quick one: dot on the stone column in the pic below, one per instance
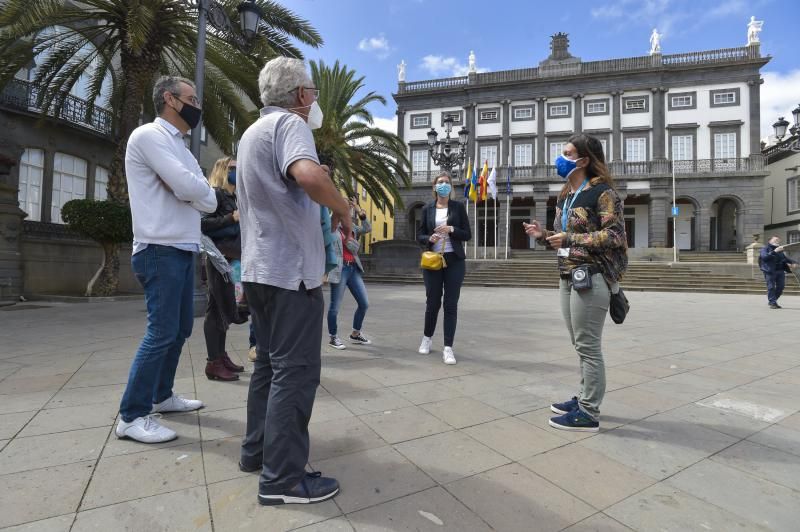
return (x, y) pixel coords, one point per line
(616, 125)
(504, 143)
(469, 117)
(401, 124)
(659, 123)
(539, 210)
(578, 108)
(657, 220)
(47, 184)
(541, 153)
(502, 209)
(755, 116)
(703, 221)
(11, 217)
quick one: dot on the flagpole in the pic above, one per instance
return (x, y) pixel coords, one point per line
(475, 251)
(674, 219)
(495, 227)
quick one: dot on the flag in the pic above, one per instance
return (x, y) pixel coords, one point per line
(482, 180)
(467, 178)
(491, 181)
(473, 189)
(508, 179)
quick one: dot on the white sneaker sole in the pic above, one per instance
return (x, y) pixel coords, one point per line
(124, 436)
(557, 411)
(424, 351)
(354, 341)
(339, 347)
(452, 362)
(574, 429)
(270, 500)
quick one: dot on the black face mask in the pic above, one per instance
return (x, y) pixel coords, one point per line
(190, 114)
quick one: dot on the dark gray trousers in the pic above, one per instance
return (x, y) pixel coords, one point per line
(288, 330)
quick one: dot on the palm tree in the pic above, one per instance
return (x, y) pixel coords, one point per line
(120, 47)
(126, 44)
(356, 151)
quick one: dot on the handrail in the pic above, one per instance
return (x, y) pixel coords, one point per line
(24, 95)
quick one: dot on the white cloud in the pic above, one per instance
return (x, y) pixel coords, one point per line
(438, 65)
(778, 97)
(387, 124)
(375, 45)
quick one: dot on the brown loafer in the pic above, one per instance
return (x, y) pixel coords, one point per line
(230, 364)
(216, 371)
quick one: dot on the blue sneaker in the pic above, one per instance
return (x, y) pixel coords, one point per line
(577, 420)
(313, 488)
(566, 407)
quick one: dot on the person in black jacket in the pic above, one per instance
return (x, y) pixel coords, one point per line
(444, 228)
(774, 264)
(222, 226)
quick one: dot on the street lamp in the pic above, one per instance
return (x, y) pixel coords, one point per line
(250, 17)
(780, 131)
(444, 152)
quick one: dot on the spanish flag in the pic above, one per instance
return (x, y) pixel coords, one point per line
(482, 180)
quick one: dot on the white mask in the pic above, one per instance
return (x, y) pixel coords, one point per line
(315, 116)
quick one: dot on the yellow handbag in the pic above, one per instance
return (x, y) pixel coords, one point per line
(432, 260)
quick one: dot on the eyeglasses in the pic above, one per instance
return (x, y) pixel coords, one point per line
(192, 99)
(316, 90)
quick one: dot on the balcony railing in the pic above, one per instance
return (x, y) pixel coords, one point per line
(626, 64)
(626, 169)
(25, 96)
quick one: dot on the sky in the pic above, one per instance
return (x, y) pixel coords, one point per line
(434, 37)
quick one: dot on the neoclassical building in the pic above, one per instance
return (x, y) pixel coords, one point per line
(696, 113)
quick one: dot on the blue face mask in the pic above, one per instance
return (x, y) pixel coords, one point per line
(443, 189)
(565, 166)
(232, 176)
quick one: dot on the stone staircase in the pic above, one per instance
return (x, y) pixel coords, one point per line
(713, 256)
(641, 276)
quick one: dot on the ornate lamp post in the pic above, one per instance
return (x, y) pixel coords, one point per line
(780, 130)
(444, 152)
(250, 17)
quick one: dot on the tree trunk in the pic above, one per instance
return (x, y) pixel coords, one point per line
(106, 281)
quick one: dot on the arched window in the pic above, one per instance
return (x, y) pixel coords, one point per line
(31, 174)
(69, 182)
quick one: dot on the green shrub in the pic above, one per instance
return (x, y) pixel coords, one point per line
(102, 221)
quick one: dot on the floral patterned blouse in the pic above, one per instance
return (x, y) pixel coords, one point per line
(595, 232)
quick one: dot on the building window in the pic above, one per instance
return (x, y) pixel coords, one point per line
(683, 152)
(419, 165)
(724, 97)
(634, 104)
(364, 195)
(559, 110)
(636, 149)
(101, 183)
(385, 230)
(488, 115)
(724, 145)
(421, 121)
(556, 149)
(792, 193)
(681, 101)
(523, 113)
(596, 108)
(523, 155)
(488, 153)
(203, 135)
(604, 143)
(31, 173)
(69, 182)
(455, 115)
(793, 237)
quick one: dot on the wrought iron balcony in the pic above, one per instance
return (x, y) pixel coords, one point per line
(629, 170)
(24, 96)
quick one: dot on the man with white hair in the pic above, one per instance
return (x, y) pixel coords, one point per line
(280, 186)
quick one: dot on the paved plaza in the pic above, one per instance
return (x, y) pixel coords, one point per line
(700, 428)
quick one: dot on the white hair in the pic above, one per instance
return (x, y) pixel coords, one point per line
(279, 78)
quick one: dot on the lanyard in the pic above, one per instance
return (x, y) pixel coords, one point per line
(566, 208)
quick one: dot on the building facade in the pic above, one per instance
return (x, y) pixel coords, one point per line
(382, 222)
(782, 193)
(695, 113)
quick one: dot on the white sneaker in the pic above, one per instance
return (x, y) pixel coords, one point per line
(176, 403)
(448, 357)
(336, 343)
(425, 346)
(145, 429)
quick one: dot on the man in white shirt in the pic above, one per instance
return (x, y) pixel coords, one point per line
(167, 194)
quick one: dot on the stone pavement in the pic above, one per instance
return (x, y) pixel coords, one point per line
(700, 428)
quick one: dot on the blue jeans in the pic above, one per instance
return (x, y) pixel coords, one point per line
(167, 276)
(351, 278)
(252, 338)
(775, 285)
